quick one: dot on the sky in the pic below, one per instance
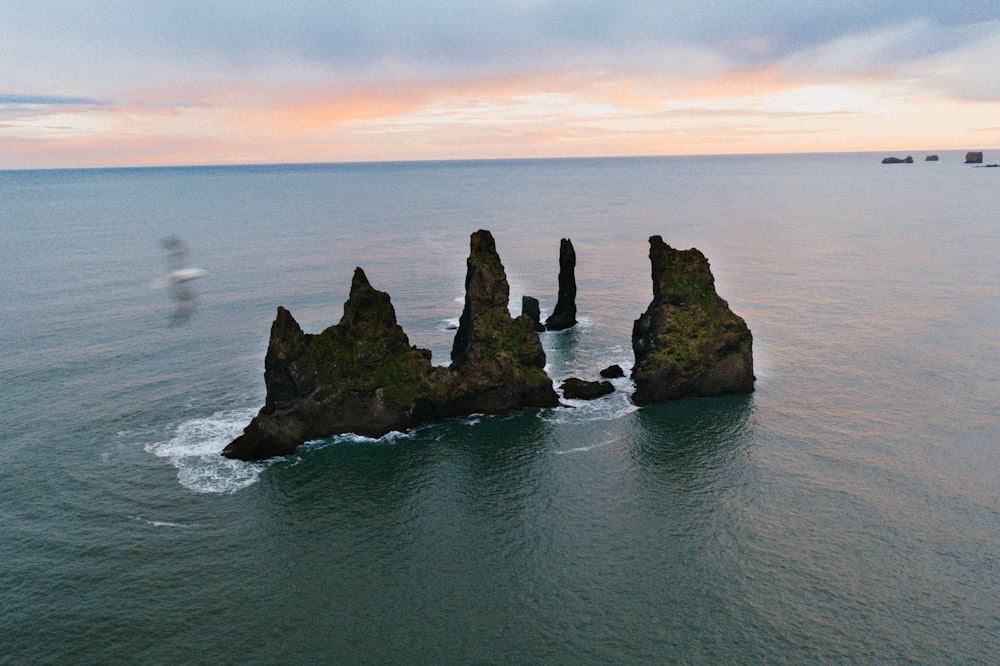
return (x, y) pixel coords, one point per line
(130, 83)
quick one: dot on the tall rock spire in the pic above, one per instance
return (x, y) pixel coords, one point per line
(564, 315)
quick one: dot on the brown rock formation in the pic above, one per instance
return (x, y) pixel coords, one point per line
(688, 342)
(363, 376)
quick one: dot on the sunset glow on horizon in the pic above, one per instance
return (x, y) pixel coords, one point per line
(215, 83)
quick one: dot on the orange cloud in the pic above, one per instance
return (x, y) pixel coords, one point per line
(557, 113)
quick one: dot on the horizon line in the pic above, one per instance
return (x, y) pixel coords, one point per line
(472, 160)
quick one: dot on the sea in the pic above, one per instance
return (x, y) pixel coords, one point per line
(847, 511)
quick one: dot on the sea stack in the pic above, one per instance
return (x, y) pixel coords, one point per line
(688, 343)
(497, 361)
(363, 376)
(974, 157)
(564, 315)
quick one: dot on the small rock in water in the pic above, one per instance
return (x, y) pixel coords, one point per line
(579, 389)
(613, 372)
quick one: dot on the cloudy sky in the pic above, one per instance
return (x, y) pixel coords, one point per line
(127, 82)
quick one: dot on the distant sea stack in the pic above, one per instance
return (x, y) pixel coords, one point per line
(688, 343)
(363, 376)
(931, 158)
(974, 157)
(896, 160)
(564, 315)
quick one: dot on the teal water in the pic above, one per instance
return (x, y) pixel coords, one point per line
(848, 510)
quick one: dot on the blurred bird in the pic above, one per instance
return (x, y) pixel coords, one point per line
(179, 278)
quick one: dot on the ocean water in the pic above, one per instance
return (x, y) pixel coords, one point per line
(847, 511)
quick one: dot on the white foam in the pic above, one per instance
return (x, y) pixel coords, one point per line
(606, 408)
(157, 523)
(351, 438)
(196, 447)
(582, 449)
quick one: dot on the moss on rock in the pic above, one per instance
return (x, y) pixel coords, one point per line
(363, 376)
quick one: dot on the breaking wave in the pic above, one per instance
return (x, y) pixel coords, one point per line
(195, 450)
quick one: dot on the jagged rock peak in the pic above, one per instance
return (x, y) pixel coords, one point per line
(287, 343)
(679, 276)
(485, 280)
(369, 314)
(487, 294)
(564, 314)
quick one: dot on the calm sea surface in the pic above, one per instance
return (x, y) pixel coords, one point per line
(848, 510)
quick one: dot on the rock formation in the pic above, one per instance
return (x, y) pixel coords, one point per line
(580, 389)
(896, 160)
(533, 311)
(688, 342)
(363, 376)
(496, 360)
(931, 158)
(974, 157)
(613, 372)
(564, 315)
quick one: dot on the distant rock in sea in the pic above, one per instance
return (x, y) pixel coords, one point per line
(974, 157)
(688, 342)
(931, 158)
(896, 160)
(363, 376)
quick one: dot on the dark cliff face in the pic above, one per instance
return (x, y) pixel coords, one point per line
(564, 314)
(688, 342)
(363, 376)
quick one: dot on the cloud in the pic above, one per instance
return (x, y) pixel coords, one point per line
(50, 100)
(439, 39)
(953, 60)
(259, 79)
